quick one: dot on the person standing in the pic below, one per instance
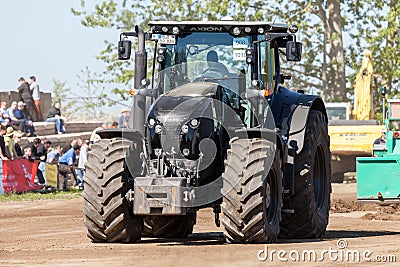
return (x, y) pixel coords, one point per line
(66, 165)
(123, 119)
(26, 96)
(36, 96)
(54, 155)
(9, 143)
(80, 171)
(3, 131)
(42, 150)
(94, 136)
(17, 146)
(38, 153)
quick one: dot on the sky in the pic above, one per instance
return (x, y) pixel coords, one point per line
(43, 38)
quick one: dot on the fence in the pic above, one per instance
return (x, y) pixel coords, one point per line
(19, 175)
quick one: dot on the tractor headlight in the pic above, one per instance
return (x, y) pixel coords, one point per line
(185, 129)
(175, 30)
(236, 31)
(151, 122)
(186, 152)
(158, 129)
(194, 123)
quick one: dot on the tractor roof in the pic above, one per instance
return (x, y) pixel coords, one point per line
(246, 27)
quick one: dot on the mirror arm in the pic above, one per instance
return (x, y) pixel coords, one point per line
(145, 92)
(123, 35)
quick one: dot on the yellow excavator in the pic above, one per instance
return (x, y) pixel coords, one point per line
(353, 133)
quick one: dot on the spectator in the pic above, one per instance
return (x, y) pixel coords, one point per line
(3, 131)
(123, 120)
(114, 125)
(2, 153)
(54, 115)
(26, 97)
(10, 110)
(9, 143)
(36, 96)
(66, 165)
(27, 124)
(54, 155)
(381, 140)
(42, 149)
(34, 147)
(17, 140)
(28, 153)
(4, 118)
(80, 171)
(17, 124)
(94, 136)
(73, 142)
(38, 154)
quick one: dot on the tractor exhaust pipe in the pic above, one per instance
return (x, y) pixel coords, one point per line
(139, 101)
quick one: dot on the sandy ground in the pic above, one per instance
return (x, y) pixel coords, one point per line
(51, 233)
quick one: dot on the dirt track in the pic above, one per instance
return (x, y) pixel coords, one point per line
(51, 233)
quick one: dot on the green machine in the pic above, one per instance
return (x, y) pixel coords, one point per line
(378, 177)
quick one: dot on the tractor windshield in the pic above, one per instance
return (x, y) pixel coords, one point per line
(200, 56)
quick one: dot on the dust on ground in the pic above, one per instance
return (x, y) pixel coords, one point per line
(51, 233)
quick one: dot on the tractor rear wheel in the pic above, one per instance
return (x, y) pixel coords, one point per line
(108, 215)
(252, 195)
(312, 185)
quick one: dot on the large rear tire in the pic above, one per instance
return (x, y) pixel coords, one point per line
(108, 215)
(312, 185)
(169, 226)
(252, 195)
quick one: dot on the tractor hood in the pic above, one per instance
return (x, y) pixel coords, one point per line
(191, 100)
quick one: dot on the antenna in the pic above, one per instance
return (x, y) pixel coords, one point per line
(273, 22)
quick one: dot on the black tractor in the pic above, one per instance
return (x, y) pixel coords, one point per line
(212, 126)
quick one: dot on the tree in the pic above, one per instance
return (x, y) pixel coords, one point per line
(92, 97)
(321, 29)
(320, 21)
(59, 94)
(377, 25)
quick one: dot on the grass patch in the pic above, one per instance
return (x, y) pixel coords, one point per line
(29, 196)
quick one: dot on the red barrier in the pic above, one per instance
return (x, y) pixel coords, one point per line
(19, 175)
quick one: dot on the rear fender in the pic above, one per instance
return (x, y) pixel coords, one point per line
(291, 110)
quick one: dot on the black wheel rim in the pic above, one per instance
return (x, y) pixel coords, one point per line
(273, 196)
(319, 177)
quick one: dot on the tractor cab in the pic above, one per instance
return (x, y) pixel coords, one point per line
(232, 54)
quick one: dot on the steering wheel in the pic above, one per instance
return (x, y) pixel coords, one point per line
(215, 73)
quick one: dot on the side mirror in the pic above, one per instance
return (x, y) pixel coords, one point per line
(124, 49)
(193, 50)
(293, 51)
